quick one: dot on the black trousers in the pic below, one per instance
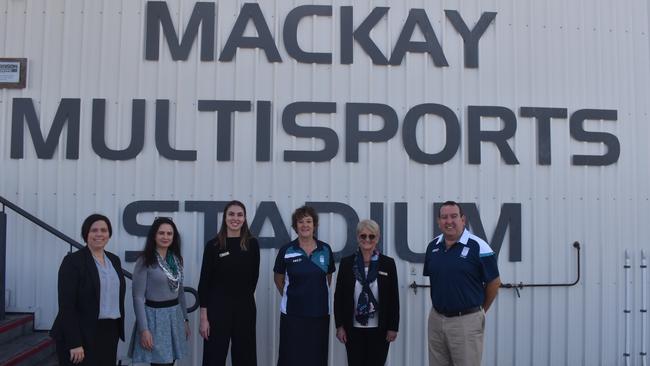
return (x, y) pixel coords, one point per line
(366, 347)
(234, 322)
(100, 351)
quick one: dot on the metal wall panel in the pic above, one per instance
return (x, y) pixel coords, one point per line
(574, 55)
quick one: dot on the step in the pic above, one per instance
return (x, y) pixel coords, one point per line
(14, 326)
(50, 361)
(27, 350)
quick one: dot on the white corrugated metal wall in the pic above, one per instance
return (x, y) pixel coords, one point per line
(574, 55)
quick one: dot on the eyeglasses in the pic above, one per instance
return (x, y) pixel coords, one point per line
(367, 236)
(162, 218)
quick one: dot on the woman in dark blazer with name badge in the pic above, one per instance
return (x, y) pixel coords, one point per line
(366, 301)
(91, 300)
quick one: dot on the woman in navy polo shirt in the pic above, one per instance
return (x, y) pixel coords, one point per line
(303, 274)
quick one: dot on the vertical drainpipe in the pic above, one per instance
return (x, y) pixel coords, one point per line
(626, 310)
(644, 308)
(3, 260)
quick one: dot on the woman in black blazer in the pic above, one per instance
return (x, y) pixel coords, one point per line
(91, 300)
(366, 301)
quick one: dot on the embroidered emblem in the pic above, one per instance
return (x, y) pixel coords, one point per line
(463, 254)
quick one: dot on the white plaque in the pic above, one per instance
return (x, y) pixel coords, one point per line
(9, 72)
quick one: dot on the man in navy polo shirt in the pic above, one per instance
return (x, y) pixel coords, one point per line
(462, 269)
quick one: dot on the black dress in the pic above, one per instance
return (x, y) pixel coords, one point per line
(226, 288)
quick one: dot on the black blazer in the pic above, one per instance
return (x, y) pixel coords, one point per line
(388, 294)
(78, 287)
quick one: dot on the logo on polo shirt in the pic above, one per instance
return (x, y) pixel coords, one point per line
(463, 254)
(435, 250)
(293, 257)
(322, 259)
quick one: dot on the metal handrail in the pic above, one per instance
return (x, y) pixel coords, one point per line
(521, 285)
(38, 222)
(44, 225)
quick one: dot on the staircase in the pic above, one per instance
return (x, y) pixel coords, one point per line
(20, 345)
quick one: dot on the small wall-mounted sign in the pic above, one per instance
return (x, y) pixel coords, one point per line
(13, 73)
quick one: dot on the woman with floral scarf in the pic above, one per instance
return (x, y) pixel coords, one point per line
(366, 301)
(161, 331)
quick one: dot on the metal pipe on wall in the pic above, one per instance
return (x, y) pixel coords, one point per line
(626, 310)
(644, 308)
(3, 260)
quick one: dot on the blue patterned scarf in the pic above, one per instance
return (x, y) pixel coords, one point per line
(367, 304)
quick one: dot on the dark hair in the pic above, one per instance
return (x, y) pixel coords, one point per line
(149, 251)
(452, 203)
(90, 220)
(244, 233)
(301, 212)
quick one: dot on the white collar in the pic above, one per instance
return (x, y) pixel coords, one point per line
(464, 237)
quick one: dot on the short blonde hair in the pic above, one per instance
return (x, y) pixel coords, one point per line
(368, 224)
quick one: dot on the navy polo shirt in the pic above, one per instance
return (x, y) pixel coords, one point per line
(306, 291)
(458, 275)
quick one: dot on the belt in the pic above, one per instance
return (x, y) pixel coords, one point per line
(161, 304)
(461, 312)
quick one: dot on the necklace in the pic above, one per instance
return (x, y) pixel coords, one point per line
(173, 280)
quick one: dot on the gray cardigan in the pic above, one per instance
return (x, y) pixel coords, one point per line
(151, 283)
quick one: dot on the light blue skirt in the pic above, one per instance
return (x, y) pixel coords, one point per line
(167, 326)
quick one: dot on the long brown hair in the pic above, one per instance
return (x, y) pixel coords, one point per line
(149, 252)
(244, 232)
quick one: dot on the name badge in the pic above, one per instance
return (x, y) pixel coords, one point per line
(383, 273)
(221, 255)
